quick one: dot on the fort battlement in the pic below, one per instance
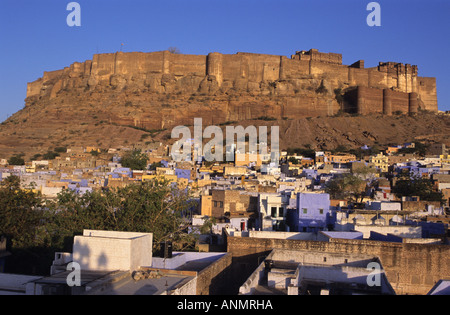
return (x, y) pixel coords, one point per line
(296, 81)
(315, 55)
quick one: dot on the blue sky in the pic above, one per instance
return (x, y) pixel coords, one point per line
(35, 37)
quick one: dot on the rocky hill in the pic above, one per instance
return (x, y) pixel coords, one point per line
(35, 130)
(124, 99)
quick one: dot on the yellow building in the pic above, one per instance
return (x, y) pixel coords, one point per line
(217, 169)
(204, 169)
(380, 161)
(30, 168)
(339, 158)
(391, 150)
(164, 171)
(206, 205)
(244, 159)
(199, 183)
(445, 158)
(181, 182)
(170, 178)
(234, 170)
(92, 148)
(297, 167)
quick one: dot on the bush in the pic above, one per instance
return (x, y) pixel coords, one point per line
(419, 148)
(35, 157)
(340, 149)
(339, 96)
(16, 160)
(135, 160)
(415, 185)
(61, 149)
(321, 89)
(306, 152)
(154, 165)
(50, 155)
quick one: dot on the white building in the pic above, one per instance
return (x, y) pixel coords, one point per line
(297, 272)
(109, 250)
(272, 211)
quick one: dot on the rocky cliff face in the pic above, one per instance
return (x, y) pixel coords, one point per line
(125, 98)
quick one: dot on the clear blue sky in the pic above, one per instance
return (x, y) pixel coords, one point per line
(35, 38)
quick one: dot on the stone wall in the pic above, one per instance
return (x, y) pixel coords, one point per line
(410, 268)
(211, 280)
(386, 101)
(426, 88)
(301, 86)
(420, 205)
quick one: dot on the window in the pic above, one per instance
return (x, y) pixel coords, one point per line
(321, 211)
(273, 211)
(220, 204)
(215, 203)
(305, 211)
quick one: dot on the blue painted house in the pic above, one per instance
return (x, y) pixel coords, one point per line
(312, 213)
(124, 171)
(183, 173)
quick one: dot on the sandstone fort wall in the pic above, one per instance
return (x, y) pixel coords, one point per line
(387, 88)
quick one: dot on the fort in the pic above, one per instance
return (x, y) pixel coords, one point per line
(309, 83)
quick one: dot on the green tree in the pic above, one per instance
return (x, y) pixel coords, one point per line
(50, 155)
(306, 152)
(35, 157)
(174, 50)
(16, 160)
(135, 160)
(293, 160)
(21, 221)
(340, 149)
(352, 186)
(348, 186)
(207, 226)
(34, 234)
(61, 149)
(20, 213)
(414, 185)
(154, 165)
(94, 153)
(151, 207)
(419, 149)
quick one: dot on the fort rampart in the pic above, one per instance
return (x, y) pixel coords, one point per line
(307, 83)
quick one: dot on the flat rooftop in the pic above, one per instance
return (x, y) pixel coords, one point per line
(14, 284)
(156, 286)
